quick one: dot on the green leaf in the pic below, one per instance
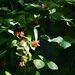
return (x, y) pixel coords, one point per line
(35, 5)
(52, 65)
(42, 58)
(21, 19)
(35, 33)
(65, 44)
(7, 21)
(57, 39)
(2, 40)
(14, 43)
(37, 73)
(2, 53)
(7, 73)
(38, 63)
(2, 29)
(69, 39)
(4, 8)
(30, 56)
(57, 16)
(62, 42)
(46, 37)
(21, 2)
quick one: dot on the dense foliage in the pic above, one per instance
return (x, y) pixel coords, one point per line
(37, 37)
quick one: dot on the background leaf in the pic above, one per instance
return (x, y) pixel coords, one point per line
(2, 53)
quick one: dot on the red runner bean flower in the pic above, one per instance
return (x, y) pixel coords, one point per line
(22, 42)
(21, 64)
(21, 34)
(17, 33)
(35, 43)
(44, 6)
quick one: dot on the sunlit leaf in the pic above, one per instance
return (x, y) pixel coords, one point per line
(42, 58)
(35, 5)
(11, 31)
(35, 33)
(14, 43)
(7, 73)
(57, 39)
(52, 65)
(65, 44)
(38, 63)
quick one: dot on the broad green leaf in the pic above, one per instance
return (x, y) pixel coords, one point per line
(52, 65)
(52, 11)
(65, 44)
(14, 43)
(30, 56)
(35, 5)
(61, 42)
(57, 16)
(2, 40)
(69, 39)
(2, 53)
(42, 58)
(21, 2)
(4, 8)
(29, 37)
(21, 19)
(7, 21)
(2, 28)
(7, 73)
(38, 63)
(37, 73)
(57, 39)
(67, 0)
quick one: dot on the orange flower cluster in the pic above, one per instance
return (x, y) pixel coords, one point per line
(22, 42)
(35, 43)
(19, 34)
(21, 64)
